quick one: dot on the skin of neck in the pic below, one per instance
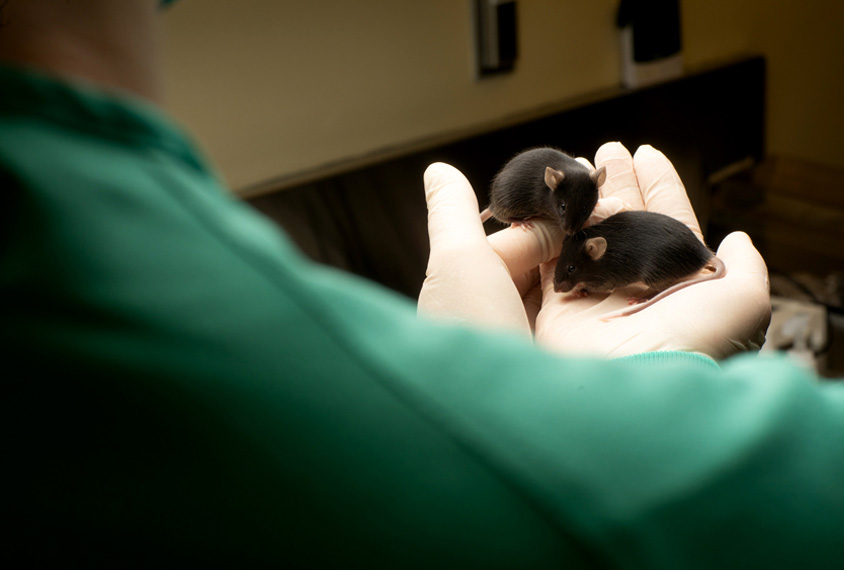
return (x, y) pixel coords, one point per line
(113, 43)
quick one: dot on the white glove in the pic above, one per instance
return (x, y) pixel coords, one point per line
(491, 282)
(716, 318)
(475, 279)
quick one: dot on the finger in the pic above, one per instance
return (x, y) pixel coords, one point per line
(522, 249)
(453, 217)
(662, 189)
(621, 179)
(585, 162)
(744, 262)
(465, 280)
(744, 307)
(605, 208)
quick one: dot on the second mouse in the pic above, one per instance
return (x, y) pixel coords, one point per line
(634, 247)
(545, 182)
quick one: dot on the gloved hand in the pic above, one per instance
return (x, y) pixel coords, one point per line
(716, 318)
(491, 281)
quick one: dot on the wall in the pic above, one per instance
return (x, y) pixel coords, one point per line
(804, 45)
(274, 88)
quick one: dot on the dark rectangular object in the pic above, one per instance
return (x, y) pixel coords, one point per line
(497, 44)
(656, 27)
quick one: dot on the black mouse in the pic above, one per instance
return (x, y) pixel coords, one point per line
(634, 247)
(545, 182)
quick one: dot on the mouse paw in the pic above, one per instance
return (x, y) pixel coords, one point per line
(635, 300)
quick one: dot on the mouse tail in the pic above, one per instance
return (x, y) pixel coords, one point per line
(717, 266)
(631, 310)
(714, 263)
(485, 215)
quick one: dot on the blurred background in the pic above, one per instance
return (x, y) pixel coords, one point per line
(324, 114)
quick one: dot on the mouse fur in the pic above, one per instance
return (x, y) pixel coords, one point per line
(634, 247)
(545, 182)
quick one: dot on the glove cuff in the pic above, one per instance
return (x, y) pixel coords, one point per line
(672, 357)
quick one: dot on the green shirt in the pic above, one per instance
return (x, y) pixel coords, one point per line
(182, 387)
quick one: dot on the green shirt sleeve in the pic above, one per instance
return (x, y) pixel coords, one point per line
(183, 387)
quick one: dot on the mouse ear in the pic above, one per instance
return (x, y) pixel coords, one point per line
(596, 247)
(599, 176)
(553, 177)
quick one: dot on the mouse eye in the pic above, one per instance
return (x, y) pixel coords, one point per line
(562, 206)
(572, 268)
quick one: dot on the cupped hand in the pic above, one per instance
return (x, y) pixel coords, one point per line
(716, 318)
(471, 278)
(504, 281)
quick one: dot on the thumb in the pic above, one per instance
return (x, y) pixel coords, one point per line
(453, 217)
(454, 221)
(522, 249)
(465, 279)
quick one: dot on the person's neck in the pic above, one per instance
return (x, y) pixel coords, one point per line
(112, 43)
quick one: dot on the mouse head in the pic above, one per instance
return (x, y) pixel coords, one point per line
(574, 195)
(579, 263)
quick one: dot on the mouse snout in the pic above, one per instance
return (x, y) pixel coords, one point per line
(563, 286)
(572, 224)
